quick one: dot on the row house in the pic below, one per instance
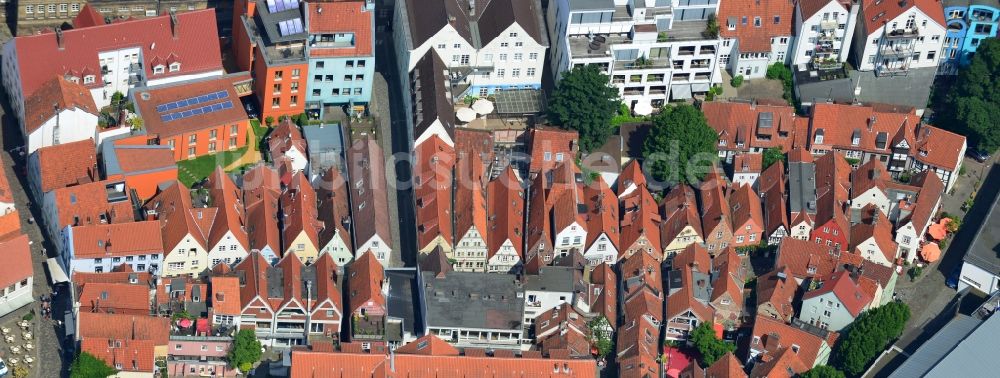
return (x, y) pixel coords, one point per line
(287, 147)
(806, 260)
(142, 166)
(183, 229)
(835, 302)
(474, 310)
(801, 193)
(488, 45)
(504, 222)
(103, 247)
(631, 178)
(727, 290)
(129, 343)
(746, 169)
(716, 216)
(17, 277)
(775, 294)
(832, 226)
(641, 297)
(897, 138)
(968, 23)
(334, 213)
(132, 297)
(433, 170)
(59, 166)
(195, 117)
(756, 35)
(869, 187)
(566, 208)
(603, 233)
(262, 213)
(689, 302)
(681, 224)
(471, 224)
(227, 238)
(825, 31)
(914, 214)
(753, 127)
(539, 244)
(299, 224)
(748, 218)
(563, 328)
(652, 51)
(893, 37)
(366, 282)
(369, 201)
(599, 297)
(341, 51)
(640, 225)
(550, 288)
(782, 360)
(809, 344)
(111, 58)
(872, 238)
(58, 102)
(549, 147)
(270, 41)
(726, 366)
(432, 108)
(290, 303)
(775, 207)
(92, 203)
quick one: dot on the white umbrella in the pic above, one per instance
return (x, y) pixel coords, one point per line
(483, 106)
(643, 109)
(465, 114)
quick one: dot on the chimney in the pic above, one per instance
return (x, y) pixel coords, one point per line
(871, 122)
(174, 24)
(59, 38)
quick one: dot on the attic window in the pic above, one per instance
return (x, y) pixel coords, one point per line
(74, 79)
(175, 66)
(795, 348)
(158, 69)
(89, 79)
(756, 22)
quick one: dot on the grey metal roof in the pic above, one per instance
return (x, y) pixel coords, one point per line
(801, 187)
(580, 5)
(326, 146)
(268, 23)
(402, 299)
(109, 157)
(982, 251)
(551, 279)
(473, 300)
(963, 347)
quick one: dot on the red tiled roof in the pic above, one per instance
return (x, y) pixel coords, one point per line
(730, 278)
(778, 291)
(726, 367)
(928, 198)
(6, 195)
(767, 331)
(640, 217)
(149, 98)
(631, 175)
(67, 164)
(679, 209)
(772, 188)
(88, 203)
(139, 159)
(334, 208)
(602, 212)
(298, 207)
(16, 261)
(196, 47)
(741, 125)
(284, 137)
(308, 364)
(847, 291)
(877, 13)
(714, 202)
(225, 298)
(683, 300)
(641, 270)
(938, 147)
(470, 193)
(56, 94)
(366, 163)
(434, 161)
(365, 278)
(784, 364)
(553, 141)
(694, 256)
(258, 180)
(775, 20)
(230, 218)
(746, 209)
(121, 274)
(748, 163)
(638, 348)
(117, 239)
(121, 297)
(88, 16)
(506, 215)
(125, 327)
(341, 17)
(123, 355)
(10, 225)
(880, 230)
(428, 345)
(174, 210)
(807, 259)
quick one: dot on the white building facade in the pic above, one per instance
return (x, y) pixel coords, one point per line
(894, 41)
(825, 29)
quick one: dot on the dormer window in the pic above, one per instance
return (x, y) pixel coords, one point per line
(158, 69)
(89, 79)
(175, 66)
(819, 136)
(74, 79)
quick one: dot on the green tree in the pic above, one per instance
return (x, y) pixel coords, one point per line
(245, 350)
(709, 347)
(88, 366)
(976, 96)
(268, 120)
(868, 336)
(599, 335)
(583, 101)
(822, 371)
(681, 146)
(773, 155)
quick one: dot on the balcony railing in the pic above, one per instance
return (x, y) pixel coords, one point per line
(903, 33)
(828, 25)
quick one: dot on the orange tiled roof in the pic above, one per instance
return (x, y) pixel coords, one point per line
(640, 217)
(117, 239)
(365, 278)
(876, 13)
(6, 195)
(434, 161)
(550, 141)
(470, 194)
(16, 260)
(778, 291)
(746, 209)
(602, 212)
(741, 126)
(56, 94)
(259, 180)
(298, 208)
(285, 137)
(125, 327)
(506, 214)
(726, 367)
(67, 164)
(748, 163)
(230, 218)
(784, 364)
(631, 175)
(804, 258)
(89, 203)
(879, 229)
(262, 223)
(225, 298)
(10, 225)
(715, 208)
(123, 355)
(695, 256)
(148, 99)
(679, 209)
(772, 188)
(341, 17)
(765, 329)
(641, 270)
(428, 345)
(847, 291)
(174, 211)
(334, 208)
(775, 21)
(118, 296)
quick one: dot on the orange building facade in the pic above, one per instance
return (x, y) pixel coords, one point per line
(281, 89)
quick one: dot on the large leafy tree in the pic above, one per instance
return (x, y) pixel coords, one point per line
(976, 96)
(583, 101)
(822, 371)
(870, 333)
(709, 347)
(88, 366)
(773, 155)
(680, 146)
(245, 350)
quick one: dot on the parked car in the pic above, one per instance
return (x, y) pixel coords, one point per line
(3, 368)
(952, 279)
(979, 155)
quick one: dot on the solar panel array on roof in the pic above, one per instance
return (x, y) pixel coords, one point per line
(196, 111)
(281, 5)
(192, 101)
(289, 27)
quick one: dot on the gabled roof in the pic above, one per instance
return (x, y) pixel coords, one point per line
(173, 209)
(684, 300)
(877, 13)
(748, 163)
(93, 202)
(538, 228)
(98, 296)
(433, 164)
(299, 214)
(505, 212)
(679, 209)
(730, 277)
(746, 208)
(842, 285)
(498, 16)
(67, 164)
(726, 367)
(805, 258)
(88, 16)
(775, 210)
(551, 142)
(195, 46)
(117, 239)
(262, 224)
(869, 175)
(369, 201)
(124, 327)
(714, 204)
(631, 177)
(470, 194)
(123, 355)
(640, 217)
(777, 287)
(784, 364)
(607, 301)
(341, 17)
(334, 208)
(775, 20)
(55, 95)
(931, 189)
(253, 280)
(562, 327)
(427, 18)
(433, 103)
(259, 180)
(602, 212)
(638, 348)
(808, 8)
(16, 260)
(284, 137)
(755, 125)
(880, 230)
(230, 217)
(428, 345)
(767, 331)
(937, 147)
(640, 271)
(365, 277)
(225, 297)
(694, 256)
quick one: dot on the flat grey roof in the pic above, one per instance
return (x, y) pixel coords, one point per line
(802, 187)
(325, 144)
(983, 251)
(518, 101)
(965, 347)
(551, 278)
(109, 156)
(473, 300)
(581, 5)
(402, 299)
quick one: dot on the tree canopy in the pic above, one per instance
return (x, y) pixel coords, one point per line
(868, 336)
(976, 96)
(822, 371)
(772, 155)
(245, 350)
(681, 146)
(88, 366)
(583, 101)
(709, 347)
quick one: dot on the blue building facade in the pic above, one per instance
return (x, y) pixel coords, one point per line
(341, 55)
(967, 23)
